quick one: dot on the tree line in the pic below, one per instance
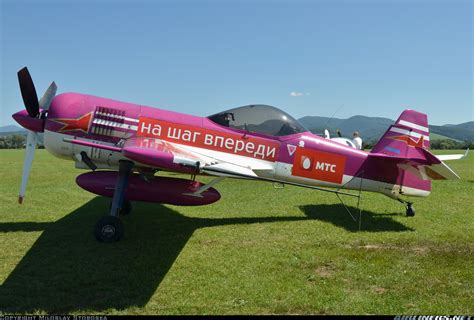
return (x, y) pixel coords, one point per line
(15, 141)
(442, 144)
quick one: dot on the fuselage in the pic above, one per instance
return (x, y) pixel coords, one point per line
(302, 158)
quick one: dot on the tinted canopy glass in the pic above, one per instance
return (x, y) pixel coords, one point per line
(259, 118)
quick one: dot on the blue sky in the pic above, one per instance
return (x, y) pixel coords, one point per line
(374, 58)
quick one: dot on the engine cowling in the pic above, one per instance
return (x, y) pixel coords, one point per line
(157, 189)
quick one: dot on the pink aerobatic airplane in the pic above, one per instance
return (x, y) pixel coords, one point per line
(129, 143)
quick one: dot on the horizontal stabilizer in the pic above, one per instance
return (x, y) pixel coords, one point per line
(424, 165)
(444, 157)
(440, 172)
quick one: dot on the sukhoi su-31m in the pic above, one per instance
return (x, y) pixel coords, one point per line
(124, 146)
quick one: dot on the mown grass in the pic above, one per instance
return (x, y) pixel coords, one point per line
(258, 250)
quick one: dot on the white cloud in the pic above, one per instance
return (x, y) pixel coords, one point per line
(298, 94)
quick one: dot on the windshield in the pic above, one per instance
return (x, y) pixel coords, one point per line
(259, 118)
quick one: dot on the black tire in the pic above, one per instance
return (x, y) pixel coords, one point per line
(126, 207)
(410, 211)
(109, 229)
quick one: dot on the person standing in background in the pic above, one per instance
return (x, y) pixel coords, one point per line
(356, 139)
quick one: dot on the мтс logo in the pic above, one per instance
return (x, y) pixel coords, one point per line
(319, 165)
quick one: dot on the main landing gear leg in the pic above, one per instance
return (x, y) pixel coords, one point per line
(110, 228)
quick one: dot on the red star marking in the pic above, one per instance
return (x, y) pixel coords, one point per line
(81, 124)
(409, 141)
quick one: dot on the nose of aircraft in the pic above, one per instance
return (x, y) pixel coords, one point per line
(28, 122)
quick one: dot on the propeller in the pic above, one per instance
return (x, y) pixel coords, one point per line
(30, 99)
(48, 96)
(28, 92)
(31, 140)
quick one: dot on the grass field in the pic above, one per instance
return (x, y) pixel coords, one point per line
(259, 250)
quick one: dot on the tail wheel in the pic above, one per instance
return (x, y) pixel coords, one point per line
(410, 211)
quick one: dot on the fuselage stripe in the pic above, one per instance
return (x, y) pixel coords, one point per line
(414, 126)
(409, 133)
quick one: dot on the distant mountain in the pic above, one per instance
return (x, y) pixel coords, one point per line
(466, 125)
(10, 129)
(311, 122)
(372, 128)
(460, 132)
(369, 127)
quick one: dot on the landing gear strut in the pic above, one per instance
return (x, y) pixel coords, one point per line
(126, 208)
(110, 228)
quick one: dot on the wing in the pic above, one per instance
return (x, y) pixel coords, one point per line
(163, 154)
(158, 153)
(167, 155)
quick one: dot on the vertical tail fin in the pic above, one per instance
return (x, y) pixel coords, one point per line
(410, 130)
(406, 140)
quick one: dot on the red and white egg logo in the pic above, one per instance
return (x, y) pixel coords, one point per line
(306, 163)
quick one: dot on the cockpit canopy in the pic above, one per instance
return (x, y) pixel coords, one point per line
(260, 119)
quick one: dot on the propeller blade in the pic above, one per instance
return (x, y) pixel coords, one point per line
(28, 92)
(31, 141)
(48, 96)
